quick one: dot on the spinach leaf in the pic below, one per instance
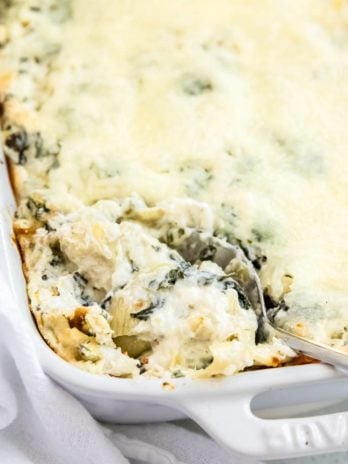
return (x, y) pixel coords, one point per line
(174, 275)
(17, 142)
(194, 86)
(37, 208)
(227, 283)
(144, 314)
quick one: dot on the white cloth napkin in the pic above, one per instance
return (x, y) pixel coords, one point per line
(40, 423)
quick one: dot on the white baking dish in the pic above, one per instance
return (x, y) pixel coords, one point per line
(221, 407)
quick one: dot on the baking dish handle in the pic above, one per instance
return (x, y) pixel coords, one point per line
(231, 422)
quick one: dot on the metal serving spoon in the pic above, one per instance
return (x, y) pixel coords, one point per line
(196, 246)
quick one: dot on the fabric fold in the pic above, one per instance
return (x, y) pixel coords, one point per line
(8, 402)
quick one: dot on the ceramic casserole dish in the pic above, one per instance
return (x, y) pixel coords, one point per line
(222, 407)
(131, 128)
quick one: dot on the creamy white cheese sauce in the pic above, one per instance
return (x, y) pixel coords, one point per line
(240, 105)
(101, 285)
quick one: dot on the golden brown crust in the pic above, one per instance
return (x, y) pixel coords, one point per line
(21, 249)
(14, 178)
(302, 359)
(77, 320)
(60, 336)
(5, 81)
(299, 360)
(17, 114)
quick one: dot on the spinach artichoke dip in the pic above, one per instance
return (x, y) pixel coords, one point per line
(128, 125)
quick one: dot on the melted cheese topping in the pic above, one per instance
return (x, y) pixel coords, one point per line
(240, 105)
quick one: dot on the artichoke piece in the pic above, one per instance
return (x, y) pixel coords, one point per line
(90, 351)
(121, 308)
(138, 300)
(132, 345)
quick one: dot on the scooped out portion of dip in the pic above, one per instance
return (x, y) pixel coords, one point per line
(110, 296)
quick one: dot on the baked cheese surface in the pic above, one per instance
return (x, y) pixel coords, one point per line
(241, 107)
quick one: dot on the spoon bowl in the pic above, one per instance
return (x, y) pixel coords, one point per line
(196, 246)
